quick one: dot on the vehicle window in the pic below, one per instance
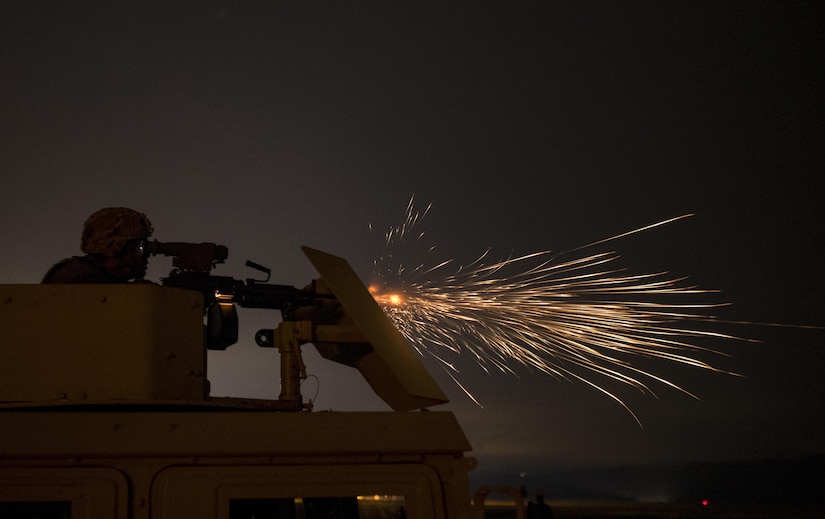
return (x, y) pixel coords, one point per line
(63, 493)
(358, 507)
(36, 509)
(281, 508)
(358, 491)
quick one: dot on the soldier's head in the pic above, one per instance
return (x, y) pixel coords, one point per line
(117, 237)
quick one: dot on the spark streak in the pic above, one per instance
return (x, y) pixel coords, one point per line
(571, 318)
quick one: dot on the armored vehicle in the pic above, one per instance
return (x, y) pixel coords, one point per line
(105, 409)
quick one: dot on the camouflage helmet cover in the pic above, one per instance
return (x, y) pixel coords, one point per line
(108, 230)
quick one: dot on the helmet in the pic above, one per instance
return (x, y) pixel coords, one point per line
(108, 230)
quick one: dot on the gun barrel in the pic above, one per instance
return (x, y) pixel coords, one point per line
(276, 297)
(246, 295)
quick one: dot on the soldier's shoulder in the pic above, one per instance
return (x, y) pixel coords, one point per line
(77, 269)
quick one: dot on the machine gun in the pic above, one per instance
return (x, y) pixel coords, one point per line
(193, 263)
(335, 313)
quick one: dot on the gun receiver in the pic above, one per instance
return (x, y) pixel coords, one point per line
(247, 294)
(193, 263)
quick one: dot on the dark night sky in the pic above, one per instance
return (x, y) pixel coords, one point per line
(529, 126)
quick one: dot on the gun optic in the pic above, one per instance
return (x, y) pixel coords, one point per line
(197, 257)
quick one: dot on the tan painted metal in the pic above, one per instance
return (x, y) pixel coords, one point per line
(392, 367)
(86, 343)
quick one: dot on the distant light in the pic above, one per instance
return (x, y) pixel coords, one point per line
(705, 502)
